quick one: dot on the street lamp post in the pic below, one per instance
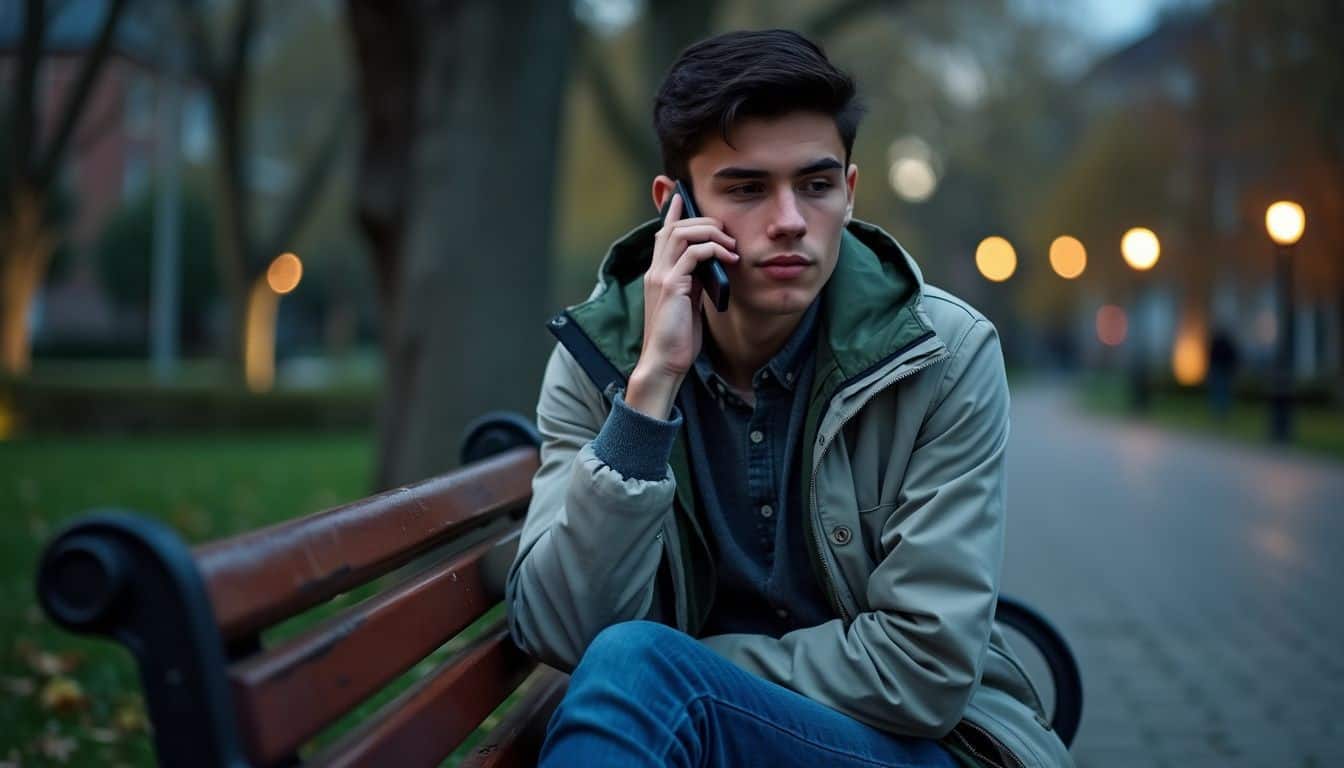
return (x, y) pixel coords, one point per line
(1141, 249)
(1284, 221)
(263, 307)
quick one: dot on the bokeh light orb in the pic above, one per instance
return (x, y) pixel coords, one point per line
(1112, 325)
(1285, 222)
(1189, 358)
(1068, 257)
(996, 259)
(913, 178)
(1140, 248)
(284, 273)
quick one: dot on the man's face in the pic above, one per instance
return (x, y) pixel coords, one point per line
(783, 192)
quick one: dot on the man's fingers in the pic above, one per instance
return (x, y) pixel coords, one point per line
(673, 211)
(701, 231)
(698, 253)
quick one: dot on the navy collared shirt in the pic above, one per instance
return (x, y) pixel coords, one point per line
(752, 504)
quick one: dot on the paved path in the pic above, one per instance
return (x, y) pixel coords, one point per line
(1201, 584)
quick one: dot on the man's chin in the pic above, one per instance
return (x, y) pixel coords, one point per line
(779, 301)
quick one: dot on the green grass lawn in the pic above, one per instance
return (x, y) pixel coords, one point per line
(1318, 429)
(205, 488)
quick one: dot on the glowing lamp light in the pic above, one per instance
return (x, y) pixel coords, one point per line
(1140, 248)
(1189, 358)
(1068, 257)
(913, 178)
(284, 273)
(1285, 221)
(996, 259)
(1112, 325)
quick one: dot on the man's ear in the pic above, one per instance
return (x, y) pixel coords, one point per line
(851, 179)
(663, 188)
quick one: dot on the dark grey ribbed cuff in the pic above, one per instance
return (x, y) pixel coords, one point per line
(634, 444)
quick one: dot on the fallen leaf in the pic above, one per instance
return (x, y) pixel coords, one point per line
(18, 686)
(56, 747)
(61, 694)
(130, 718)
(50, 664)
(104, 735)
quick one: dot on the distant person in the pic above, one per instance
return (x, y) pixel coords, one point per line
(1224, 360)
(772, 534)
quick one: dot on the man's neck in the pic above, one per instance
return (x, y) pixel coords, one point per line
(742, 344)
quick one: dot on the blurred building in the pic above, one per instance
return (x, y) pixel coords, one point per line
(1225, 172)
(112, 153)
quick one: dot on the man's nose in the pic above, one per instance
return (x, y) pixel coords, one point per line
(786, 219)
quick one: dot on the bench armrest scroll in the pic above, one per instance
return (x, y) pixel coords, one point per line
(134, 580)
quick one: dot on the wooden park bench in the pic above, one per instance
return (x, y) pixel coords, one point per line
(218, 696)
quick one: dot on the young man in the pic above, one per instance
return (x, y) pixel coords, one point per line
(771, 535)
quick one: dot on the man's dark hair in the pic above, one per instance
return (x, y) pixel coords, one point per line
(737, 75)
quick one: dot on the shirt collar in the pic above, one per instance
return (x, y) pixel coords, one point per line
(785, 366)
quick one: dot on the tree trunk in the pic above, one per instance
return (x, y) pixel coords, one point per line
(27, 248)
(232, 230)
(472, 284)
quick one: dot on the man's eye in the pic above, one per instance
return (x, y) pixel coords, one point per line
(818, 185)
(745, 189)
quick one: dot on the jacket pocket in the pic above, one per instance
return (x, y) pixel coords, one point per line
(982, 746)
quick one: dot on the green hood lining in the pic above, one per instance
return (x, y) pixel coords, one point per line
(876, 317)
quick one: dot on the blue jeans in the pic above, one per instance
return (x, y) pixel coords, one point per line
(647, 695)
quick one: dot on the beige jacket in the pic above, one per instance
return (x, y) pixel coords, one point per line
(904, 449)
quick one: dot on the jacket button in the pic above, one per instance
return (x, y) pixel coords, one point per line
(559, 321)
(1041, 721)
(841, 535)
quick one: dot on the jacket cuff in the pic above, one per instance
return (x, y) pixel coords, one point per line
(635, 445)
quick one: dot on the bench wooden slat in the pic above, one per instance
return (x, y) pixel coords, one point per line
(517, 739)
(260, 578)
(286, 695)
(424, 724)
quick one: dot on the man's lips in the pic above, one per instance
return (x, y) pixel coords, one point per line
(791, 260)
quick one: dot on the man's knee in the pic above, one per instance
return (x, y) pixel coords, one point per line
(632, 648)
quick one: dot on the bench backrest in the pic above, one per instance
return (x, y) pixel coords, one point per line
(217, 695)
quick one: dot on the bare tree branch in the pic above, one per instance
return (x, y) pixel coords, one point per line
(89, 72)
(202, 55)
(243, 33)
(305, 194)
(826, 22)
(24, 109)
(631, 136)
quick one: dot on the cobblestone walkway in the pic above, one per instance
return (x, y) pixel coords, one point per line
(1201, 584)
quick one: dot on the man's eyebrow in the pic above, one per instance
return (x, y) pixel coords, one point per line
(816, 166)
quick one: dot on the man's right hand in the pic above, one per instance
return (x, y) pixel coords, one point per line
(673, 328)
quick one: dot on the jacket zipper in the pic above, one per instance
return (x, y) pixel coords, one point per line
(831, 589)
(1003, 750)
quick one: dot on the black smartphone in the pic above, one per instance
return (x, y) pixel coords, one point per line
(710, 272)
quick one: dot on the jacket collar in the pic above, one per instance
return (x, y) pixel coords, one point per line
(869, 308)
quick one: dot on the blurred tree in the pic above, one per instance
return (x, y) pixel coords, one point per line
(243, 250)
(30, 170)
(1241, 104)
(1279, 76)
(124, 251)
(667, 28)
(462, 109)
